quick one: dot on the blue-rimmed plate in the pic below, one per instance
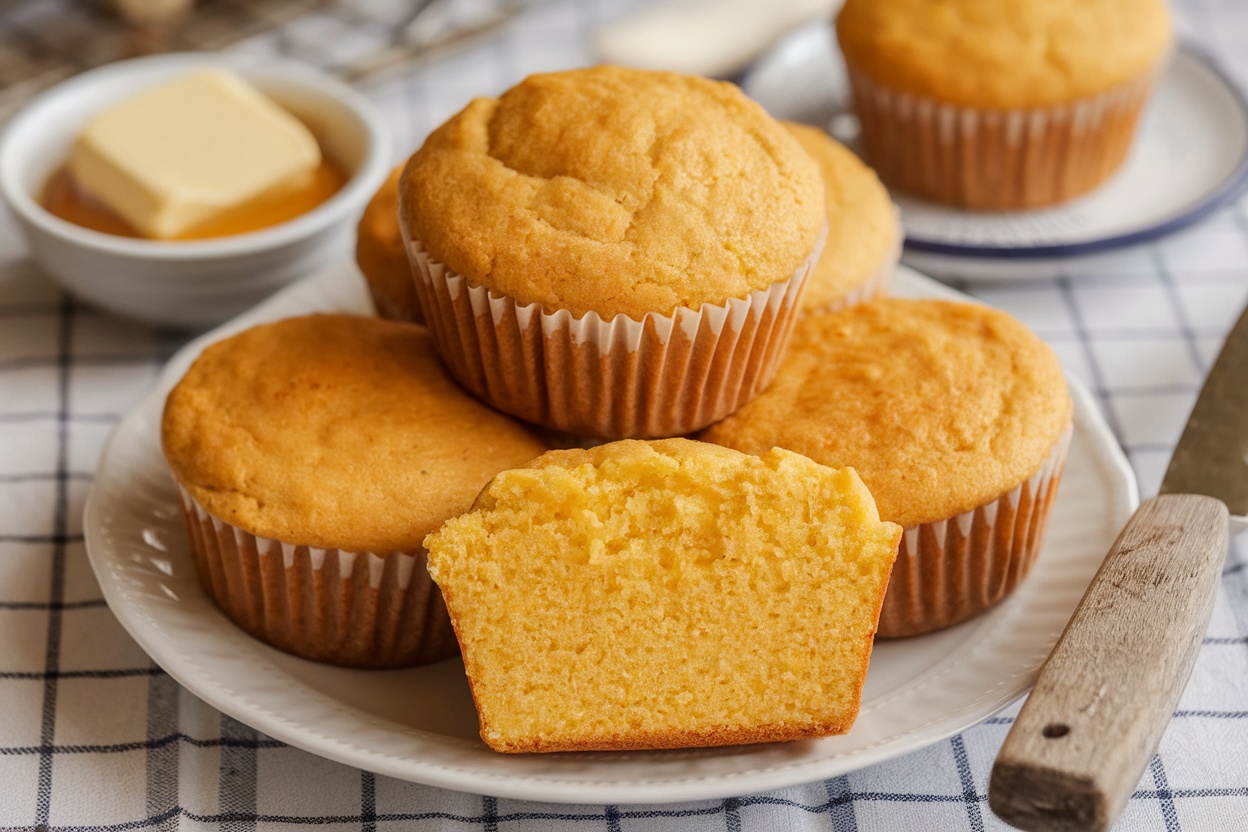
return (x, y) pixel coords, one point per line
(1189, 158)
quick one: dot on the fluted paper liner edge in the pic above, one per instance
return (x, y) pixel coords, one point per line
(354, 609)
(665, 375)
(950, 570)
(997, 159)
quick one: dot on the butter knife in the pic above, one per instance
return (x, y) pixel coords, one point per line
(1107, 691)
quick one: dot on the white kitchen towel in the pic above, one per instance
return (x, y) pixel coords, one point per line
(94, 736)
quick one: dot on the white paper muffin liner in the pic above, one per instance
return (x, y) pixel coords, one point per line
(997, 159)
(952, 569)
(877, 283)
(355, 609)
(664, 375)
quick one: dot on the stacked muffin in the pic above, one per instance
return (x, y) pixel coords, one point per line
(610, 254)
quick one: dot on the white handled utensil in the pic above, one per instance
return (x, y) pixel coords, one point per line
(1107, 691)
(704, 37)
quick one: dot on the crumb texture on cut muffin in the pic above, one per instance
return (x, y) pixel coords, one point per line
(334, 431)
(862, 224)
(665, 594)
(940, 406)
(1003, 53)
(618, 191)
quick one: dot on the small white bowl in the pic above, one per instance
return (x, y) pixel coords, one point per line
(191, 284)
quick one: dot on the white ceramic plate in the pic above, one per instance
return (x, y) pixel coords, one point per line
(420, 724)
(1190, 157)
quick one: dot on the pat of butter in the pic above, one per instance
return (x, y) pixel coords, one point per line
(186, 152)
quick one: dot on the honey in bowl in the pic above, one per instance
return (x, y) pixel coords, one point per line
(202, 155)
(63, 198)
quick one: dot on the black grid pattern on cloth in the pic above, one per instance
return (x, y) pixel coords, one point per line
(1140, 332)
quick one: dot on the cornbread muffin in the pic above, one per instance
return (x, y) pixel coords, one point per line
(956, 417)
(1001, 105)
(664, 594)
(612, 252)
(382, 257)
(313, 455)
(864, 237)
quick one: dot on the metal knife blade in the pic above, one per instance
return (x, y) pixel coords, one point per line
(1107, 691)
(1212, 454)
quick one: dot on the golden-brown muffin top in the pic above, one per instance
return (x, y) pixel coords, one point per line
(862, 226)
(334, 431)
(1003, 53)
(617, 191)
(382, 256)
(940, 406)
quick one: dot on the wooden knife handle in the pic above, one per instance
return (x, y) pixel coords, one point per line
(1107, 691)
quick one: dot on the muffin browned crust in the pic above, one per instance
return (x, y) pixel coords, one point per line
(1001, 105)
(313, 455)
(1003, 54)
(382, 256)
(617, 191)
(334, 431)
(864, 237)
(956, 416)
(940, 406)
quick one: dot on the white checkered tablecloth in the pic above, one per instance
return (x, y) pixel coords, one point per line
(94, 736)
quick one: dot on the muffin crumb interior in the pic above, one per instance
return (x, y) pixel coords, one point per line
(646, 598)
